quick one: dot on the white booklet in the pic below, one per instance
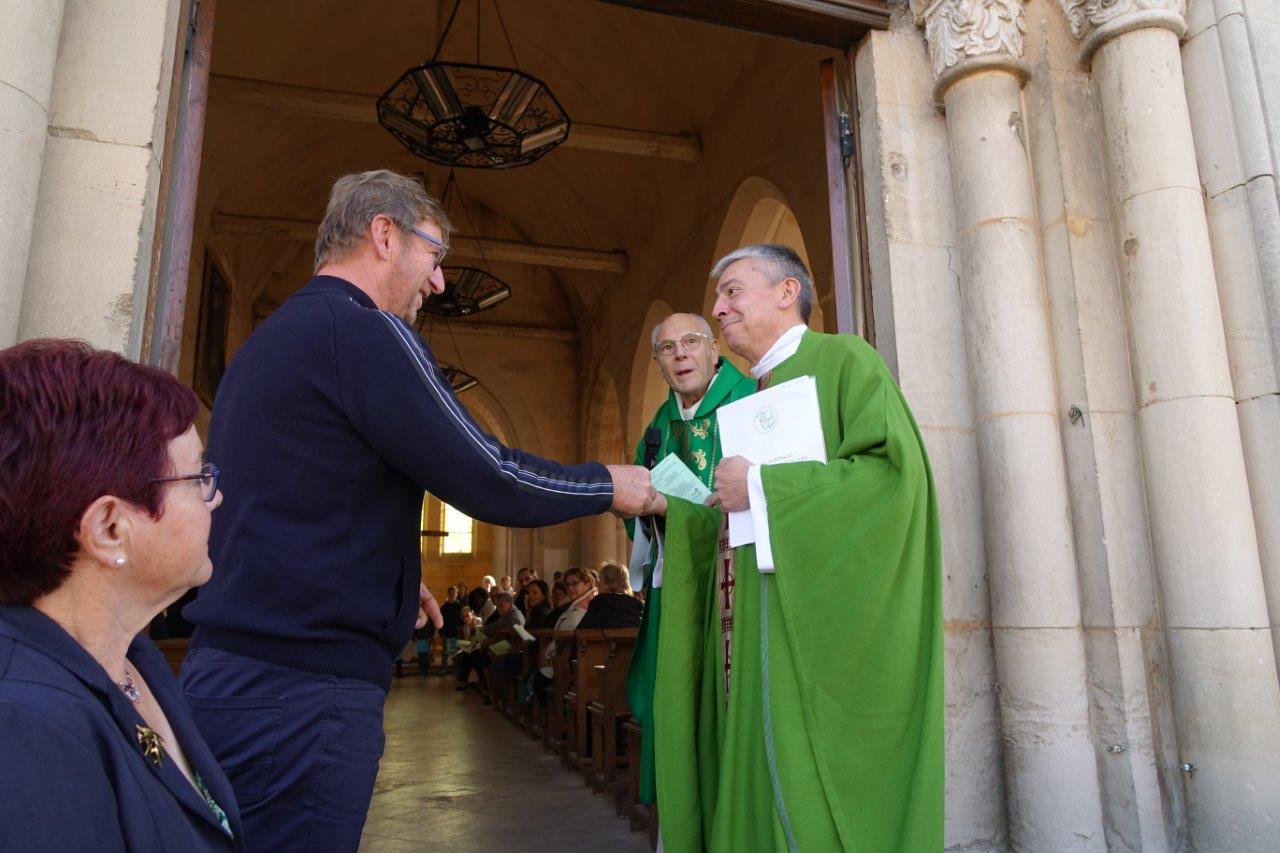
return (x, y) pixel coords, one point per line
(771, 427)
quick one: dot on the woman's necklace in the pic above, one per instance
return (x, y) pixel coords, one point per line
(127, 687)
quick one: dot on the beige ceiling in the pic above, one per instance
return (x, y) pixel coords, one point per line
(607, 65)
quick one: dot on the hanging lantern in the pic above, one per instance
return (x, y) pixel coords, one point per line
(480, 116)
(458, 379)
(467, 291)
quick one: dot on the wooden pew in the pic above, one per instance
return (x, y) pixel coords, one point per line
(607, 714)
(592, 652)
(557, 728)
(538, 708)
(643, 816)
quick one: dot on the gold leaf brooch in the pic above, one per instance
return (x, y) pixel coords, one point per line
(151, 744)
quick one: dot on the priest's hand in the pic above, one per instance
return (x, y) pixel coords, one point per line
(633, 494)
(659, 506)
(731, 484)
(428, 609)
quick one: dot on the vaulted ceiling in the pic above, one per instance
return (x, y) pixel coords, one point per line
(608, 65)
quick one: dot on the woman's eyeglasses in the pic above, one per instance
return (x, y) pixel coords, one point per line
(208, 478)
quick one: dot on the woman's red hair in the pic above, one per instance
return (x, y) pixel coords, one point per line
(76, 423)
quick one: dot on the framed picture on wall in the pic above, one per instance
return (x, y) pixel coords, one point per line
(211, 331)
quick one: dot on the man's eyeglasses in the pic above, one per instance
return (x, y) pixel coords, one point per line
(441, 250)
(691, 342)
(208, 478)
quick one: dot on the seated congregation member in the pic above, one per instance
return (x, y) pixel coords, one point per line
(580, 585)
(523, 578)
(539, 609)
(478, 598)
(614, 606)
(105, 506)
(500, 628)
(537, 605)
(580, 588)
(560, 601)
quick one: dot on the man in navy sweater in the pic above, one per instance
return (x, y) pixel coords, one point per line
(329, 424)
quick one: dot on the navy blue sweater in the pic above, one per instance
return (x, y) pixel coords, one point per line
(329, 424)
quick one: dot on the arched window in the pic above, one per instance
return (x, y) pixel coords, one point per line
(460, 530)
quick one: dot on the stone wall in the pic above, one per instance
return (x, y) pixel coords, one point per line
(1048, 286)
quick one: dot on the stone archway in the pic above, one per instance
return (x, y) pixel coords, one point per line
(760, 213)
(603, 536)
(647, 390)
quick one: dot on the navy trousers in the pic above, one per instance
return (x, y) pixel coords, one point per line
(301, 749)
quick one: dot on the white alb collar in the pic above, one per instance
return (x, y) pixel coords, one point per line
(687, 412)
(783, 348)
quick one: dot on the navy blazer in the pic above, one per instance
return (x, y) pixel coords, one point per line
(72, 773)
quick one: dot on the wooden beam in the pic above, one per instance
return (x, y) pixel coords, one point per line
(463, 327)
(470, 248)
(350, 106)
(832, 23)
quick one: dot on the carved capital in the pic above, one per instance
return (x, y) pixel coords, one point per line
(971, 35)
(1096, 21)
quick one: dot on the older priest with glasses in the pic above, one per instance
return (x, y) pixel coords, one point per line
(688, 357)
(105, 507)
(791, 717)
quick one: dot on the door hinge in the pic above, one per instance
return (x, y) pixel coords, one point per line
(846, 135)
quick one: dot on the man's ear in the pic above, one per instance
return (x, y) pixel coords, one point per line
(788, 292)
(104, 530)
(380, 228)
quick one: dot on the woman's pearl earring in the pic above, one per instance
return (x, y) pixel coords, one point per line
(119, 562)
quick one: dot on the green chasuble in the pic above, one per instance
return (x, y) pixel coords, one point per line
(697, 443)
(831, 735)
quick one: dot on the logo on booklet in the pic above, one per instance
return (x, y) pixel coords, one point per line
(765, 420)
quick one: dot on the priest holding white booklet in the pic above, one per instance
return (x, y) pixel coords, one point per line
(792, 717)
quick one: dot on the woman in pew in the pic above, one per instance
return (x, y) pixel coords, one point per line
(615, 606)
(105, 504)
(580, 584)
(537, 603)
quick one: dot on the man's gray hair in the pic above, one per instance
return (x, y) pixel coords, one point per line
(504, 596)
(702, 323)
(357, 198)
(777, 262)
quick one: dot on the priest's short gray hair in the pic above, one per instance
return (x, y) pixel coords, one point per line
(777, 262)
(701, 323)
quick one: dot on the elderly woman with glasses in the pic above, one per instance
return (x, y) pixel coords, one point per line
(105, 504)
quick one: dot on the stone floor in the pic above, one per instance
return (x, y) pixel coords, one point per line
(457, 775)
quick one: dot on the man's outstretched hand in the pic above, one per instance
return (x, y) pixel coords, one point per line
(428, 609)
(633, 494)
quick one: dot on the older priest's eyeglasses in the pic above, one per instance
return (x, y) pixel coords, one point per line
(208, 478)
(691, 342)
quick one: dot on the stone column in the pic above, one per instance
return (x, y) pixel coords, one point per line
(600, 539)
(500, 554)
(1050, 765)
(1228, 122)
(1225, 694)
(89, 266)
(28, 52)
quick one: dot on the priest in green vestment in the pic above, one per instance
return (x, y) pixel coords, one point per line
(799, 693)
(688, 356)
